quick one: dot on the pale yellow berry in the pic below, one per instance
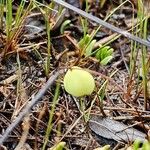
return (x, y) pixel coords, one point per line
(78, 82)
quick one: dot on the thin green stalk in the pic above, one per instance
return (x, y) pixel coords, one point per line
(19, 12)
(19, 76)
(84, 22)
(50, 6)
(47, 62)
(135, 47)
(82, 108)
(48, 28)
(144, 54)
(51, 114)
(1, 13)
(47, 14)
(143, 34)
(134, 52)
(19, 23)
(60, 10)
(9, 18)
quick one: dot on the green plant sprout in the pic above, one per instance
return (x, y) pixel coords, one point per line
(103, 54)
(83, 43)
(1, 13)
(84, 21)
(47, 11)
(64, 25)
(13, 24)
(9, 19)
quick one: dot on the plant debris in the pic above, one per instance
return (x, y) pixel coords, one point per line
(114, 130)
(40, 40)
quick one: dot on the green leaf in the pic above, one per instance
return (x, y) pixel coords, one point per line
(64, 26)
(110, 52)
(106, 60)
(83, 42)
(104, 52)
(89, 49)
(98, 53)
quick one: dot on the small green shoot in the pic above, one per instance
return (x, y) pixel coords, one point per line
(104, 55)
(19, 13)
(9, 18)
(89, 48)
(48, 29)
(1, 14)
(86, 45)
(91, 36)
(65, 24)
(84, 21)
(47, 11)
(143, 21)
(87, 39)
(83, 42)
(13, 25)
